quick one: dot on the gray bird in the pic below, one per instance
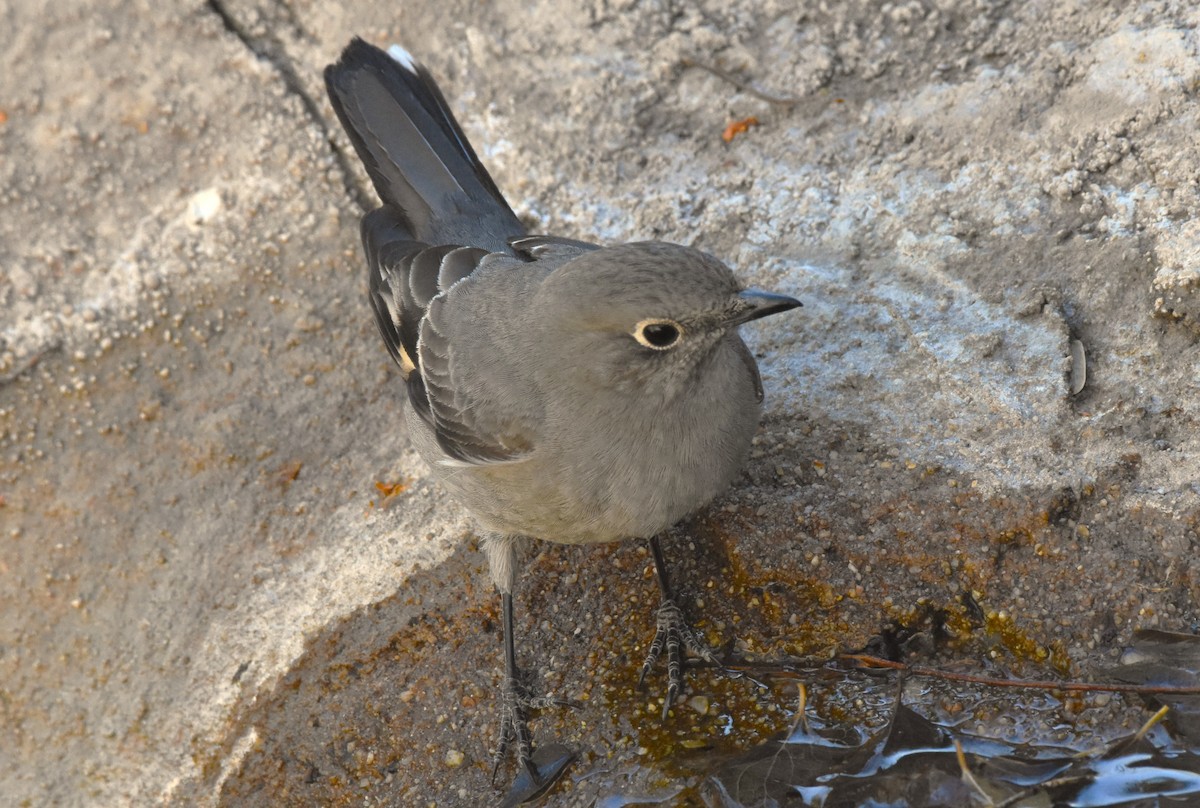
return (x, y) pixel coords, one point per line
(558, 389)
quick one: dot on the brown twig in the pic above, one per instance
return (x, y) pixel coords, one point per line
(869, 661)
(744, 86)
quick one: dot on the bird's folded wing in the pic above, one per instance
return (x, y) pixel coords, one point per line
(482, 408)
(440, 331)
(404, 275)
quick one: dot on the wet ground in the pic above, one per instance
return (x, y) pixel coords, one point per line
(369, 715)
(735, 739)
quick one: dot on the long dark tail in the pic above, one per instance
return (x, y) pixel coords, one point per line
(415, 152)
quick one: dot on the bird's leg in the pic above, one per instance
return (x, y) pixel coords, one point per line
(514, 702)
(671, 634)
(539, 768)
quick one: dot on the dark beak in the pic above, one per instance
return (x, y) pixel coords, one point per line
(755, 304)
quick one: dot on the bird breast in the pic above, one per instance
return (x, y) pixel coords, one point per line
(616, 466)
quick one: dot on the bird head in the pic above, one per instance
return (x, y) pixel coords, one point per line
(646, 316)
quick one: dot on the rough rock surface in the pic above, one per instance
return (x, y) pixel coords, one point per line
(208, 598)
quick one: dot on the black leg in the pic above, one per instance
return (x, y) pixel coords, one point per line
(671, 633)
(660, 569)
(514, 725)
(537, 770)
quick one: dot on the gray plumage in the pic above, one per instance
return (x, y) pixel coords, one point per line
(558, 389)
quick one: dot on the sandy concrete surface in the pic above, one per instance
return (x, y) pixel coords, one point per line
(224, 576)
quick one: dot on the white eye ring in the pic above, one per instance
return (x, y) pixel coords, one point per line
(658, 334)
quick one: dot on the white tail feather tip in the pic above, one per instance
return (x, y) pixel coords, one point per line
(403, 58)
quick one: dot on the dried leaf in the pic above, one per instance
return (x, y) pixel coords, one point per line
(738, 127)
(917, 763)
(389, 490)
(550, 761)
(1166, 658)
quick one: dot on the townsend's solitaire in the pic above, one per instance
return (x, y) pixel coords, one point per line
(558, 389)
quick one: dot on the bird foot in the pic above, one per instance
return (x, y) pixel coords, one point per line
(515, 705)
(673, 634)
(537, 769)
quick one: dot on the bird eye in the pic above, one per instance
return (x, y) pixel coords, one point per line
(658, 334)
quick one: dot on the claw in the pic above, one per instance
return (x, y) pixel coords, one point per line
(672, 694)
(656, 647)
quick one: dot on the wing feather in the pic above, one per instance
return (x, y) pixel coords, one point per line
(439, 324)
(462, 430)
(458, 264)
(423, 274)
